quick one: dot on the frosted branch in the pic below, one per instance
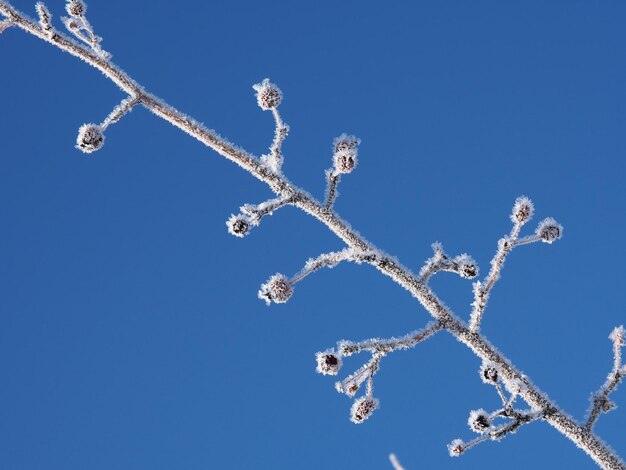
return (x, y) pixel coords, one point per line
(125, 106)
(330, 260)
(463, 264)
(278, 287)
(332, 181)
(385, 346)
(45, 18)
(600, 402)
(548, 231)
(78, 25)
(329, 362)
(481, 422)
(269, 98)
(239, 225)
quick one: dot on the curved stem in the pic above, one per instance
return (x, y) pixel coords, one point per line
(585, 439)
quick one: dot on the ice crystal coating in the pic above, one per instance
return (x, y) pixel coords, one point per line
(456, 448)
(362, 408)
(468, 268)
(523, 210)
(328, 362)
(479, 421)
(489, 373)
(90, 138)
(277, 289)
(238, 225)
(549, 230)
(268, 95)
(618, 335)
(345, 153)
(75, 8)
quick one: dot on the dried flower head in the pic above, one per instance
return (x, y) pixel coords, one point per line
(238, 225)
(268, 95)
(523, 210)
(479, 421)
(328, 362)
(456, 448)
(362, 408)
(345, 153)
(489, 373)
(549, 230)
(75, 8)
(468, 268)
(277, 289)
(90, 138)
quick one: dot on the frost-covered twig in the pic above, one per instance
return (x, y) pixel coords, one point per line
(78, 25)
(269, 98)
(239, 225)
(479, 421)
(600, 402)
(548, 231)
(395, 463)
(125, 106)
(279, 286)
(329, 362)
(463, 264)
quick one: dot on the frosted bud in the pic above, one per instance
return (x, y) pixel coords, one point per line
(345, 153)
(268, 95)
(489, 373)
(456, 448)
(523, 210)
(328, 362)
(90, 138)
(238, 225)
(468, 268)
(75, 8)
(479, 421)
(362, 408)
(549, 230)
(277, 289)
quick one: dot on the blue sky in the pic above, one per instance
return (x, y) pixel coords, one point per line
(131, 335)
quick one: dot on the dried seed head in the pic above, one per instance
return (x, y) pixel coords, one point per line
(238, 225)
(489, 373)
(468, 268)
(523, 210)
(277, 289)
(362, 408)
(328, 362)
(345, 153)
(456, 448)
(268, 95)
(90, 138)
(75, 8)
(549, 230)
(479, 421)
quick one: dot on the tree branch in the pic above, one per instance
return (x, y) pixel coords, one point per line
(585, 439)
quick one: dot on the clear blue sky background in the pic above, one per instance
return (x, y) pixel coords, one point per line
(130, 332)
